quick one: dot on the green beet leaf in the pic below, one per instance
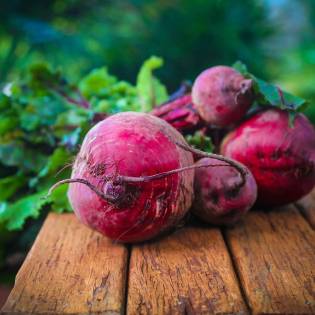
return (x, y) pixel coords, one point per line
(200, 141)
(14, 215)
(17, 154)
(59, 200)
(10, 185)
(96, 81)
(59, 159)
(271, 95)
(150, 90)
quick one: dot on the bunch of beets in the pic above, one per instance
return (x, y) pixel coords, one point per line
(136, 177)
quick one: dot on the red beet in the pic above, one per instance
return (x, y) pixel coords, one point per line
(280, 157)
(219, 197)
(115, 160)
(222, 95)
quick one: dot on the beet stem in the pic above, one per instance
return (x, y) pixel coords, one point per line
(126, 179)
(245, 87)
(143, 179)
(82, 181)
(200, 153)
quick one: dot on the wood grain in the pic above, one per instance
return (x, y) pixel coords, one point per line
(70, 270)
(189, 272)
(307, 206)
(274, 253)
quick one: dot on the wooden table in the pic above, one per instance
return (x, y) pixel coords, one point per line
(265, 265)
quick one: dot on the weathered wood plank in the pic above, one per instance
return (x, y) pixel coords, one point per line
(70, 269)
(188, 272)
(274, 253)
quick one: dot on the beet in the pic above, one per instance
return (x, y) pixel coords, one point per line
(219, 199)
(116, 157)
(280, 157)
(222, 95)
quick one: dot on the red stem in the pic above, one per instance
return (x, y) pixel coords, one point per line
(233, 163)
(82, 102)
(81, 181)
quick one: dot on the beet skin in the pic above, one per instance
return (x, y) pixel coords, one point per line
(134, 145)
(219, 198)
(280, 157)
(222, 95)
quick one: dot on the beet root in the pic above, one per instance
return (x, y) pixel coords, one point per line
(280, 157)
(219, 199)
(222, 95)
(116, 156)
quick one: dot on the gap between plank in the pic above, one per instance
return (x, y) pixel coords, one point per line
(234, 265)
(129, 248)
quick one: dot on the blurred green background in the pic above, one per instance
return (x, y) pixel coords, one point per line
(275, 38)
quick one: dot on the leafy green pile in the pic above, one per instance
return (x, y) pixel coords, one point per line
(43, 119)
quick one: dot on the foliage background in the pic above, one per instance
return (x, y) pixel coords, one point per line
(275, 38)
